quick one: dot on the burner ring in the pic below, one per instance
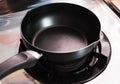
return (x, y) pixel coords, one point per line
(99, 64)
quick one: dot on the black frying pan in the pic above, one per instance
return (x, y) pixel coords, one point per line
(61, 33)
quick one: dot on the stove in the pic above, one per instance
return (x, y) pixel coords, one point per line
(98, 63)
(104, 66)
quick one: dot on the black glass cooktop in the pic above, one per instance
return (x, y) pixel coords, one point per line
(101, 57)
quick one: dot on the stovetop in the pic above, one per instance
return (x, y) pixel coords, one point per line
(110, 25)
(114, 5)
(98, 63)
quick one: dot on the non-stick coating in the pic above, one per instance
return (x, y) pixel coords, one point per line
(60, 39)
(53, 15)
(60, 16)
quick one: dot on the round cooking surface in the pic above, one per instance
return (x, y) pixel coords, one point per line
(60, 39)
(101, 57)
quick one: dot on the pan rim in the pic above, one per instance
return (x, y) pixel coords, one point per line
(95, 42)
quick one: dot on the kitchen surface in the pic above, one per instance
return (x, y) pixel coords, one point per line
(10, 23)
(114, 5)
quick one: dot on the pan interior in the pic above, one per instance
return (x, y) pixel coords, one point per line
(59, 39)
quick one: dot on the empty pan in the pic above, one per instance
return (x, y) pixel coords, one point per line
(61, 33)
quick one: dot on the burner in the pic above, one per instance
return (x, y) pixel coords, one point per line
(100, 59)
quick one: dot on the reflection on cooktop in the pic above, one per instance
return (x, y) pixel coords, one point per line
(100, 60)
(10, 6)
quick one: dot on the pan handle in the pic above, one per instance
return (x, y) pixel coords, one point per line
(22, 60)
